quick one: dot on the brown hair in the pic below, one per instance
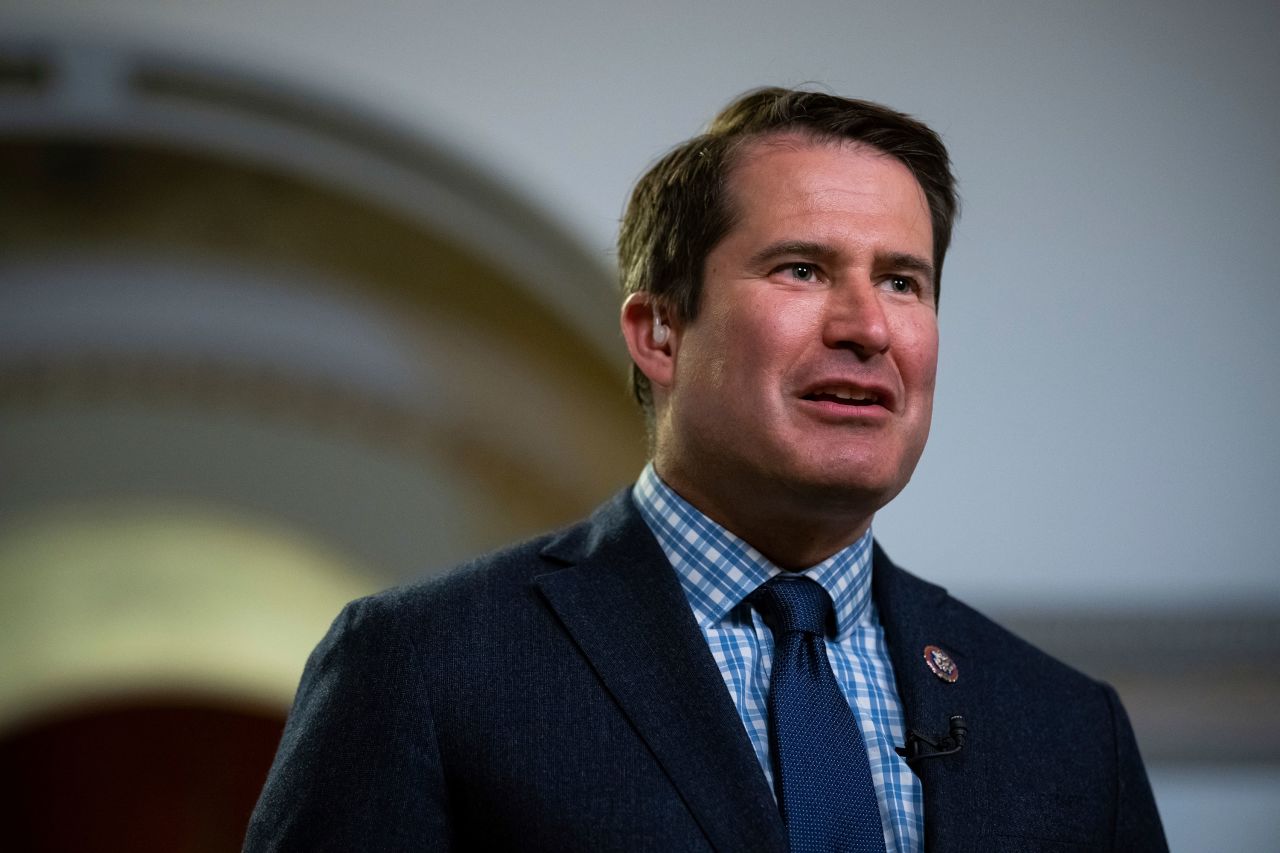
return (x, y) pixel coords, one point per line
(679, 210)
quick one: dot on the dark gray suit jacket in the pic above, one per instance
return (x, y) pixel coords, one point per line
(559, 696)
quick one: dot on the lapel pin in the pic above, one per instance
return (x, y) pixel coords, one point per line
(941, 664)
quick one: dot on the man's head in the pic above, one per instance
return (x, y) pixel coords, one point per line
(680, 209)
(782, 274)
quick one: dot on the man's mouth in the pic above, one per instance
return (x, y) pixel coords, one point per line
(844, 396)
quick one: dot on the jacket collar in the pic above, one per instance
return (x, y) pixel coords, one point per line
(621, 603)
(916, 614)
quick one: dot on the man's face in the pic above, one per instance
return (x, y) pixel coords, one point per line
(806, 381)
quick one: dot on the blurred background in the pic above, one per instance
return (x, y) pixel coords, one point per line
(302, 299)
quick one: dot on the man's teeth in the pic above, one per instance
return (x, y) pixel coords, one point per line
(845, 394)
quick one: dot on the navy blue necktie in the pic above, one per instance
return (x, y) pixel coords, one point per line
(820, 763)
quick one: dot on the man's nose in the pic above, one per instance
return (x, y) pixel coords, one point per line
(855, 318)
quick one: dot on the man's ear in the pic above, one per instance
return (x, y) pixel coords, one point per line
(650, 340)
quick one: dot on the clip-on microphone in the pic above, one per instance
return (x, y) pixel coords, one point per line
(920, 747)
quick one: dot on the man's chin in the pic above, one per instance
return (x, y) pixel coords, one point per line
(856, 494)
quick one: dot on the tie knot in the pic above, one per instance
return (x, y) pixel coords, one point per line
(797, 603)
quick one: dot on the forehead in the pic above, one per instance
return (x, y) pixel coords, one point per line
(789, 176)
(762, 155)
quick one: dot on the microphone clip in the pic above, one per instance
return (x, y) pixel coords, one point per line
(920, 746)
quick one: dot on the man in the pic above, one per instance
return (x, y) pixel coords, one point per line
(720, 658)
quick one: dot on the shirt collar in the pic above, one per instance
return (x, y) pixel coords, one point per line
(718, 569)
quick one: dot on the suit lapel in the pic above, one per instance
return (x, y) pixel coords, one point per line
(916, 614)
(621, 603)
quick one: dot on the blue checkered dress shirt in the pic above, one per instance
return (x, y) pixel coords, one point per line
(718, 571)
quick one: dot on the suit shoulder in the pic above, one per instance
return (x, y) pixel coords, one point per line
(993, 641)
(493, 584)
(923, 613)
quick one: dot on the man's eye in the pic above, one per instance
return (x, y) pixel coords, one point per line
(802, 272)
(901, 284)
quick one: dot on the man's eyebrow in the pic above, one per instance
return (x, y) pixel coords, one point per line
(802, 248)
(908, 262)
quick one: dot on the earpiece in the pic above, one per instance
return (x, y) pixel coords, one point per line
(660, 330)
